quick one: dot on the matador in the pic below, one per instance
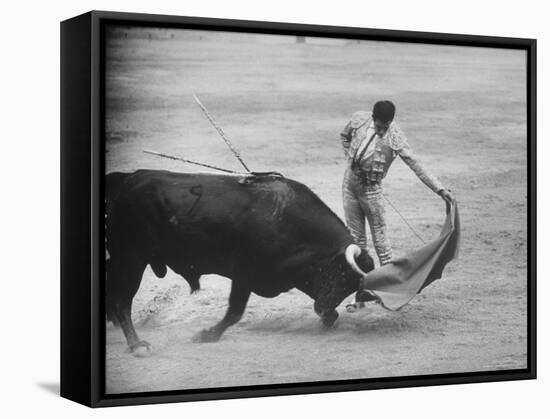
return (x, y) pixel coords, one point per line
(371, 142)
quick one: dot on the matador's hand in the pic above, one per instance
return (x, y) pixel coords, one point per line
(446, 195)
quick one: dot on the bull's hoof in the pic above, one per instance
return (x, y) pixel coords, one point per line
(141, 349)
(328, 319)
(206, 335)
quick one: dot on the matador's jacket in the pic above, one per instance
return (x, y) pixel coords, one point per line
(369, 158)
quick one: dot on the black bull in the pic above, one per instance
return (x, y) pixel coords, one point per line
(268, 234)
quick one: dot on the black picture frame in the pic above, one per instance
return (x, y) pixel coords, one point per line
(82, 207)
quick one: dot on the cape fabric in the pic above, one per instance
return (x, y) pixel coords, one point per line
(396, 283)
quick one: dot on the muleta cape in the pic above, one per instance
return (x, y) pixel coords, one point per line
(397, 282)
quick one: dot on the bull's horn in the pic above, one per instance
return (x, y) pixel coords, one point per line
(352, 251)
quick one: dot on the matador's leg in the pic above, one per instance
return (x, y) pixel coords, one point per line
(355, 217)
(376, 216)
(361, 296)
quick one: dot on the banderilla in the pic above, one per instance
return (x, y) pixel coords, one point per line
(210, 166)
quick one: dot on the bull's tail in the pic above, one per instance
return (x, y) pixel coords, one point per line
(109, 298)
(194, 282)
(113, 184)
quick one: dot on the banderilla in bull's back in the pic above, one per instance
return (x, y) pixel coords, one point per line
(210, 166)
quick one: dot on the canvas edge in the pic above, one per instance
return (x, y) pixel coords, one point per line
(93, 385)
(75, 183)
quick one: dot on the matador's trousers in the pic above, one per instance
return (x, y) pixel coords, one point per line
(362, 201)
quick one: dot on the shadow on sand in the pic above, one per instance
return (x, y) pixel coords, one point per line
(52, 388)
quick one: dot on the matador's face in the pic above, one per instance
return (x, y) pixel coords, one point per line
(381, 127)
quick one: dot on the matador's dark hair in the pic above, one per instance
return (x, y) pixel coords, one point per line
(383, 111)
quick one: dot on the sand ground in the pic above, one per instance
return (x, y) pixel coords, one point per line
(283, 105)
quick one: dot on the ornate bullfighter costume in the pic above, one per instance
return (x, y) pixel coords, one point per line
(369, 156)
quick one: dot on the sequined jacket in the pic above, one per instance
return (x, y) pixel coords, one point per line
(375, 167)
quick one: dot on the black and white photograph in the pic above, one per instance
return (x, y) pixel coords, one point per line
(287, 209)
(250, 209)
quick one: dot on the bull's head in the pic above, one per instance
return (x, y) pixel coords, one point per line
(340, 278)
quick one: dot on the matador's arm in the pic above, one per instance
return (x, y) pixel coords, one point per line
(345, 138)
(420, 170)
(400, 144)
(358, 119)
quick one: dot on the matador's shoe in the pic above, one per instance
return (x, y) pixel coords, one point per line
(362, 297)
